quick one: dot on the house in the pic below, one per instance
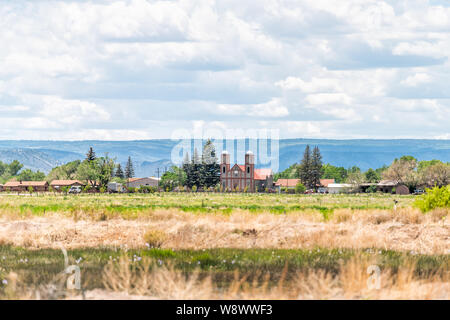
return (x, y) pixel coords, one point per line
(1, 187)
(140, 182)
(335, 188)
(391, 186)
(241, 177)
(24, 186)
(59, 184)
(291, 183)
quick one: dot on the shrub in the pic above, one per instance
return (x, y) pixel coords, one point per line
(155, 238)
(371, 189)
(194, 188)
(65, 189)
(300, 188)
(437, 197)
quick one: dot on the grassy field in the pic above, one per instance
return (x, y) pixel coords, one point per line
(219, 246)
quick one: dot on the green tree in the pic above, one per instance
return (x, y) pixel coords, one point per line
(436, 174)
(3, 168)
(372, 176)
(210, 170)
(300, 188)
(14, 167)
(90, 155)
(403, 171)
(66, 171)
(172, 178)
(119, 172)
(339, 174)
(304, 169)
(106, 169)
(129, 169)
(289, 173)
(316, 168)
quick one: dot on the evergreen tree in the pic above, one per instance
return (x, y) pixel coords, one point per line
(119, 172)
(129, 169)
(316, 167)
(304, 169)
(187, 169)
(90, 156)
(210, 167)
(196, 170)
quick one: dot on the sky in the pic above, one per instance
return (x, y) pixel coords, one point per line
(131, 70)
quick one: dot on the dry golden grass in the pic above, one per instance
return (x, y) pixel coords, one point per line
(123, 281)
(402, 230)
(352, 282)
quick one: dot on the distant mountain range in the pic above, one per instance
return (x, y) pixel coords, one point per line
(149, 155)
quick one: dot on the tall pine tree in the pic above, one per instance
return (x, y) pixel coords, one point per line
(119, 172)
(196, 170)
(129, 169)
(187, 167)
(90, 156)
(316, 168)
(210, 167)
(304, 169)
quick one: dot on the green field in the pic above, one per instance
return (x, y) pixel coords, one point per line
(229, 216)
(134, 205)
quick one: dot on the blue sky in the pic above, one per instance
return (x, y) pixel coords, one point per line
(141, 69)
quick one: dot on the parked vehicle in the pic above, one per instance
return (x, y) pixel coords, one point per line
(75, 189)
(419, 191)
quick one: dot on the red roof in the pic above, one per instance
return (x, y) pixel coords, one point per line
(326, 182)
(25, 184)
(65, 182)
(294, 182)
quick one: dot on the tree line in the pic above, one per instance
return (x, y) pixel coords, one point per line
(196, 172)
(203, 171)
(95, 171)
(406, 170)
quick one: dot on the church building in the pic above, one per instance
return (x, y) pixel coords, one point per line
(244, 176)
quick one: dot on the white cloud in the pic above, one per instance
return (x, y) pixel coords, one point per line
(329, 98)
(416, 79)
(271, 109)
(136, 68)
(72, 112)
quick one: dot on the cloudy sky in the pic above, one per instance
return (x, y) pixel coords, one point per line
(143, 69)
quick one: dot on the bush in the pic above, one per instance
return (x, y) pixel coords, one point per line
(155, 238)
(194, 188)
(300, 188)
(437, 197)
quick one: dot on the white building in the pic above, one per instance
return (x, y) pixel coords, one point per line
(334, 188)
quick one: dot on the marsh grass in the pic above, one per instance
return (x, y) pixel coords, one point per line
(255, 274)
